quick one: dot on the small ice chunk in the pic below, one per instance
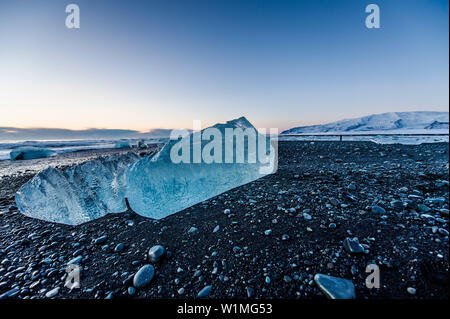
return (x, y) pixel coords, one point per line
(30, 152)
(122, 144)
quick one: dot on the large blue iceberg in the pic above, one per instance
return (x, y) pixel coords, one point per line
(158, 187)
(189, 169)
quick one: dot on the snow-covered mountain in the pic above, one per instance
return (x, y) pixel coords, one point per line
(414, 122)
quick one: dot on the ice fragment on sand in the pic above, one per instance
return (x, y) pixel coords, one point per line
(30, 152)
(158, 187)
(79, 193)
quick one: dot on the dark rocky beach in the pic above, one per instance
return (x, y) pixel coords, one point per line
(266, 239)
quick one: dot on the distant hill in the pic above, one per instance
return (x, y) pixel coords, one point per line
(393, 122)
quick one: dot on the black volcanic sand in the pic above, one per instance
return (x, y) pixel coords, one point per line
(409, 244)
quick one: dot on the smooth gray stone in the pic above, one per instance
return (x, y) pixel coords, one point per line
(353, 246)
(155, 253)
(192, 230)
(423, 208)
(10, 293)
(75, 261)
(397, 204)
(119, 247)
(378, 210)
(100, 240)
(52, 293)
(143, 277)
(334, 287)
(204, 292)
(131, 291)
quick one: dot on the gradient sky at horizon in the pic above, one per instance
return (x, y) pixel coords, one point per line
(161, 64)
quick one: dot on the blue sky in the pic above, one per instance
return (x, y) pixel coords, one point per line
(162, 64)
